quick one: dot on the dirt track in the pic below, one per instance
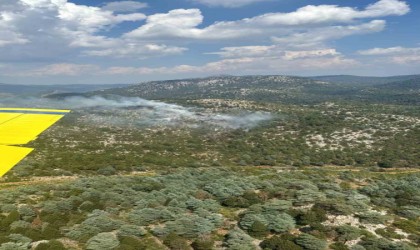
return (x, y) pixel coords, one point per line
(58, 179)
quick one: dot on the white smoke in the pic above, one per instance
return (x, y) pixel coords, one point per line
(134, 111)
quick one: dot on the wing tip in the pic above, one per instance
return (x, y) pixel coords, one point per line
(10, 156)
(35, 110)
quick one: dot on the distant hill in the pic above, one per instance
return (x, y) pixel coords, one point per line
(411, 85)
(259, 88)
(363, 80)
(286, 89)
(48, 89)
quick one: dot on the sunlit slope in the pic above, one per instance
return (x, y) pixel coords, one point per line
(20, 126)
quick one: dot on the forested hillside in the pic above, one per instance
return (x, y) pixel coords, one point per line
(283, 89)
(240, 163)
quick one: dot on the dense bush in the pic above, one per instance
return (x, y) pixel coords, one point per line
(238, 240)
(383, 244)
(204, 242)
(51, 245)
(310, 242)
(102, 241)
(283, 242)
(178, 211)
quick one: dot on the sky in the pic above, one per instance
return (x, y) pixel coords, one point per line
(103, 42)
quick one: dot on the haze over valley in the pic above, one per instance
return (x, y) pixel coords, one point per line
(201, 125)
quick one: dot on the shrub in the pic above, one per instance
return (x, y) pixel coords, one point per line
(276, 222)
(88, 206)
(346, 233)
(203, 243)
(410, 212)
(10, 218)
(308, 196)
(102, 221)
(409, 226)
(103, 241)
(19, 225)
(131, 230)
(388, 233)
(190, 226)
(146, 216)
(258, 229)
(283, 242)
(82, 232)
(313, 216)
(236, 201)
(372, 218)
(109, 170)
(50, 231)
(130, 243)
(383, 244)
(238, 240)
(249, 219)
(339, 246)
(280, 223)
(14, 246)
(51, 245)
(175, 242)
(310, 242)
(27, 213)
(7, 208)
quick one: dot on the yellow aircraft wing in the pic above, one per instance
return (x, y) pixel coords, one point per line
(19, 126)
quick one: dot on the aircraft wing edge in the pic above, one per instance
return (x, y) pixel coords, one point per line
(10, 156)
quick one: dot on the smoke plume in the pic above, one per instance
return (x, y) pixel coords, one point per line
(133, 111)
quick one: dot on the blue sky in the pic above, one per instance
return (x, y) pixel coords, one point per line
(94, 41)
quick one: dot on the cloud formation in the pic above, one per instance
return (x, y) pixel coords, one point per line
(66, 69)
(389, 51)
(398, 54)
(183, 23)
(69, 28)
(228, 4)
(124, 6)
(46, 38)
(317, 37)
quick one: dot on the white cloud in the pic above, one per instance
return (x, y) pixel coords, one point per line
(257, 65)
(70, 29)
(9, 37)
(386, 8)
(389, 51)
(398, 55)
(292, 55)
(228, 3)
(8, 34)
(248, 51)
(407, 59)
(63, 69)
(184, 23)
(317, 36)
(273, 51)
(289, 63)
(42, 31)
(92, 19)
(124, 6)
(180, 23)
(312, 14)
(137, 50)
